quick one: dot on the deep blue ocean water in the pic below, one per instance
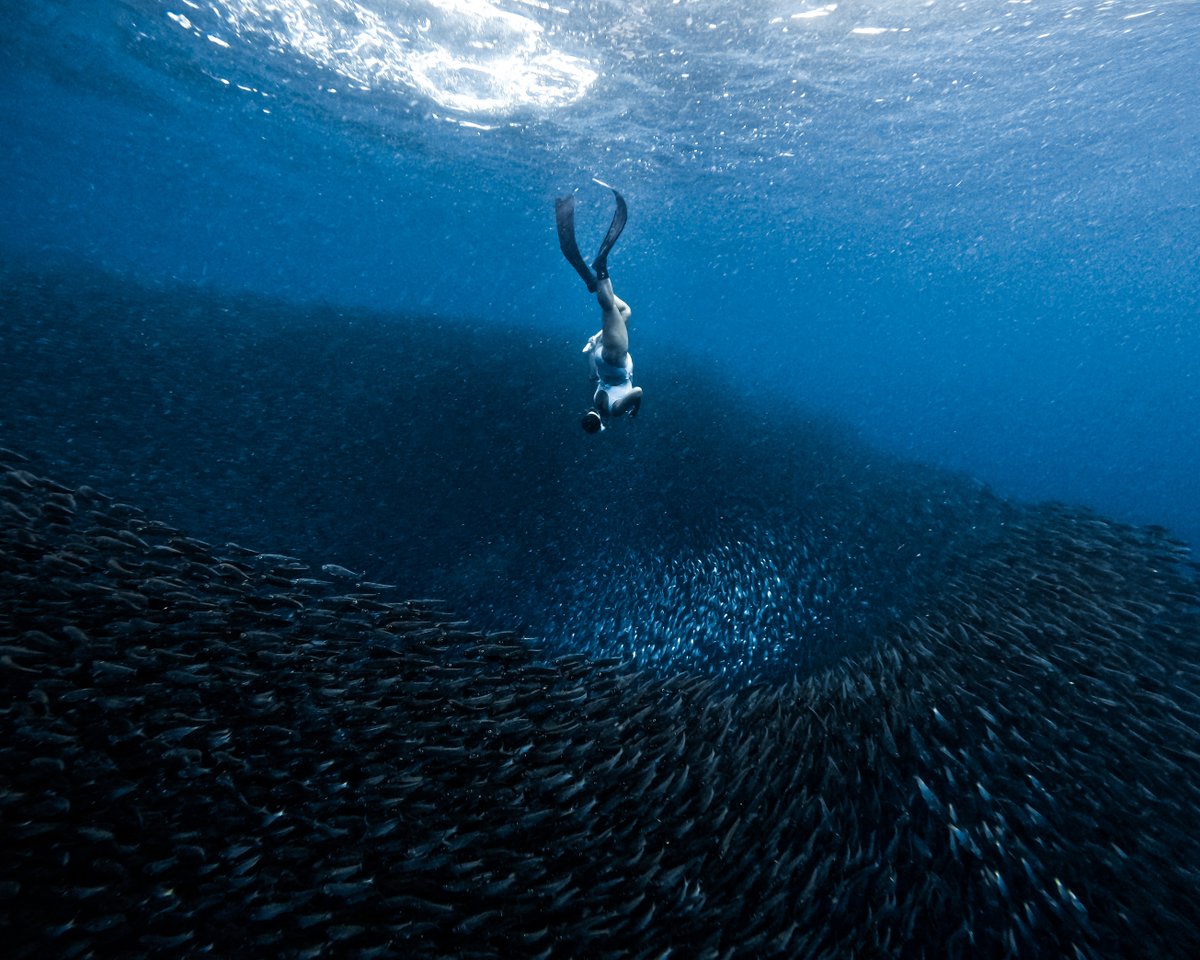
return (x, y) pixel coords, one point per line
(966, 230)
(901, 530)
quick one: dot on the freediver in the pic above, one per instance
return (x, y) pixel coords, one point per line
(608, 349)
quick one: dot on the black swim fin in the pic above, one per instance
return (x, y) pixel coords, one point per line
(600, 264)
(564, 215)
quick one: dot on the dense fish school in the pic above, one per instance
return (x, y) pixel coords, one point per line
(746, 540)
(209, 751)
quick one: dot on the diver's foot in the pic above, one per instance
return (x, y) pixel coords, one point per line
(592, 422)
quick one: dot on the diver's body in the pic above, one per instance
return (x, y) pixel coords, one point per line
(608, 349)
(608, 355)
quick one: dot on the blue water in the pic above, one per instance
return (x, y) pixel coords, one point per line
(968, 230)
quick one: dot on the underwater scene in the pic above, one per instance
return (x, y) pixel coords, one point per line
(360, 597)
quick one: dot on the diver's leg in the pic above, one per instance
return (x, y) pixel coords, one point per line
(606, 297)
(614, 335)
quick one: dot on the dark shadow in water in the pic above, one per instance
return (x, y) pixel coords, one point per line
(713, 532)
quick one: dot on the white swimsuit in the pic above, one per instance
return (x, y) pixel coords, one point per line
(617, 382)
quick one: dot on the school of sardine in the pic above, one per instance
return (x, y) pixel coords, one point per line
(741, 542)
(212, 751)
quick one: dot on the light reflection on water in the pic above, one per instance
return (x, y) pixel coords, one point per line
(467, 56)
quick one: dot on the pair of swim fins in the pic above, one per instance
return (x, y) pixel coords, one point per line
(564, 214)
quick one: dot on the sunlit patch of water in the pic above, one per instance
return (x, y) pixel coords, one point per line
(468, 56)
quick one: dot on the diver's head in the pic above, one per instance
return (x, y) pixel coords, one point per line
(591, 422)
